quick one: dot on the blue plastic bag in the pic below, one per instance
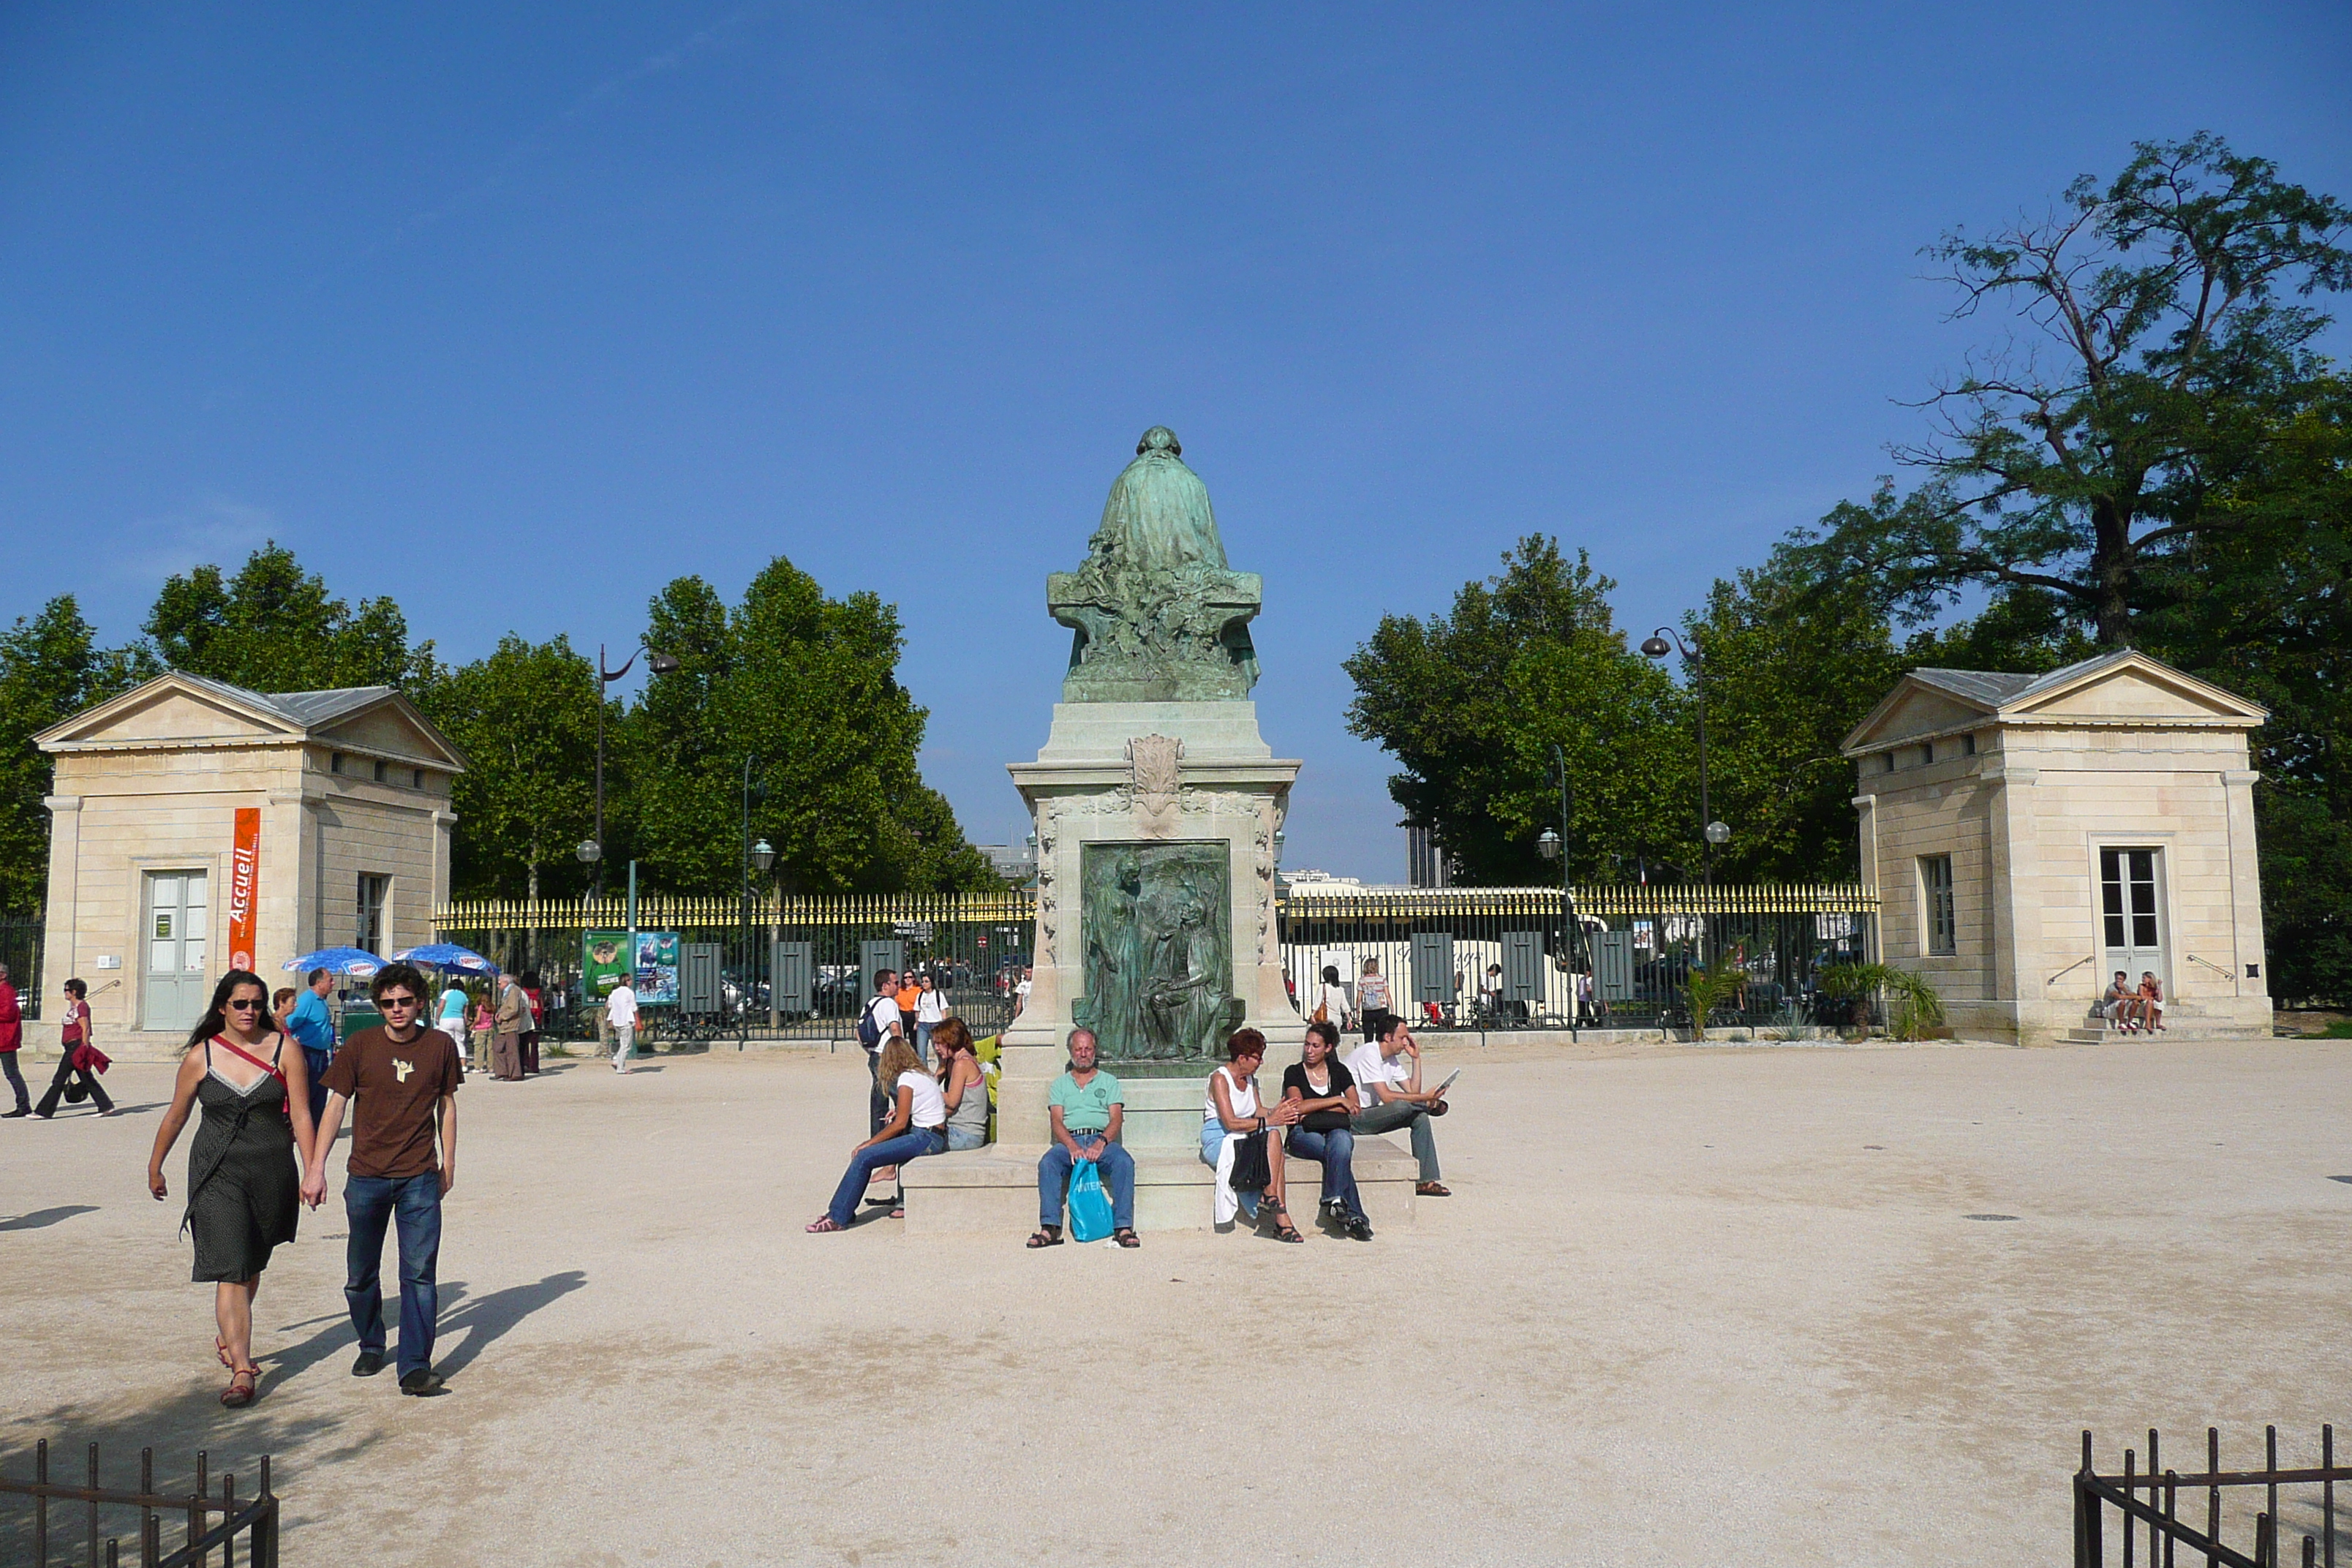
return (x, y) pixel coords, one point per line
(1089, 1205)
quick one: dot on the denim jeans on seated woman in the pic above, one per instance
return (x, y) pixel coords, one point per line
(866, 1162)
(1335, 1150)
(1213, 1149)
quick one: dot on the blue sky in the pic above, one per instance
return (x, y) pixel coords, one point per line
(516, 313)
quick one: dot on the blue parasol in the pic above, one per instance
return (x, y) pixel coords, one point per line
(446, 956)
(356, 962)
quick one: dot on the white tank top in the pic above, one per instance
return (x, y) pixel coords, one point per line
(1243, 1093)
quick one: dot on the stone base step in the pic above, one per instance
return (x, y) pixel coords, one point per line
(995, 1189)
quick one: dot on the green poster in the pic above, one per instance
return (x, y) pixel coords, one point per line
(604, 960)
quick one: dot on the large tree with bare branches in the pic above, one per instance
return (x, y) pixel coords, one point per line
(2159, 353)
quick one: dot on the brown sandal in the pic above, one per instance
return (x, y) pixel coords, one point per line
(1126, 1237)
(1433, 1190)
(1045, 1236)
(237, 1398)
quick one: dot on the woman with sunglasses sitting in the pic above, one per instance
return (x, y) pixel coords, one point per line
(244, 1166)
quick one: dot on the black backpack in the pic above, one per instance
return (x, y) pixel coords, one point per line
(869, 1033)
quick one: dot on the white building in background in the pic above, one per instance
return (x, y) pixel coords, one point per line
(2030, 835)
(195, 826)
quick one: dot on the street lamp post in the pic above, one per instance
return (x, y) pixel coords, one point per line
(656, 664)
(762, 855)
(1711, 832)
(1553, 846)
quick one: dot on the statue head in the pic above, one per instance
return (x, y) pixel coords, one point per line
(1159, 439)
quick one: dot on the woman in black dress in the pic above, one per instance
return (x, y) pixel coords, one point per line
(245, 1166)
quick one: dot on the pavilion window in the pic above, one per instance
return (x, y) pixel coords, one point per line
(1936, 895)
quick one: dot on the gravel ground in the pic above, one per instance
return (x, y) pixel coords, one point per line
(1687, 1305)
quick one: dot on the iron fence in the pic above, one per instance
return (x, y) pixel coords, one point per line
(1489, 957)
(1596, 957)
(798, 969)
(256, 1519)
(2157, 1520)
(20, 950)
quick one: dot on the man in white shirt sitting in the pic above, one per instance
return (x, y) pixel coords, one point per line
(621, 1014)
(1394, 1097)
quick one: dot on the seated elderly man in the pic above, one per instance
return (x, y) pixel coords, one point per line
(1086, 1108)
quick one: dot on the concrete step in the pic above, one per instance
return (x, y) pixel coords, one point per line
(995, 1189)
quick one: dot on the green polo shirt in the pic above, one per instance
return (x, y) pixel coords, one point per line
(1086, 1108)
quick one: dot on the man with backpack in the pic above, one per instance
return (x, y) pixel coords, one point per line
(876, 1026)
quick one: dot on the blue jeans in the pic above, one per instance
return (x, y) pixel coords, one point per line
(413, 1203)
(317, 1062)
(866, 1160)
(1118, 1168)
(1335, 1150)
(963, 1139)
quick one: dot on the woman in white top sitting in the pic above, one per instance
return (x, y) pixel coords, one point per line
(1233, 1112)
(916, 1126)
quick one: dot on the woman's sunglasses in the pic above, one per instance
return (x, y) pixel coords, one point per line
(234, 1004)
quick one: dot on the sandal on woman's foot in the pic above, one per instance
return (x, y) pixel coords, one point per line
(823, 1225)
(220, 1348)
(1286, 1231)
(1433, 1190)
(1046, 1236)
(899, 1211)
(1126, 1237)
(236, 1397)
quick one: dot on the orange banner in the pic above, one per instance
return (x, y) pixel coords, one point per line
(244, 886)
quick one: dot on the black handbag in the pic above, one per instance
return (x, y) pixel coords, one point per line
(1251, 1172)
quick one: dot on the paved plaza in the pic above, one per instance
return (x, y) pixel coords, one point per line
(1687, 1305)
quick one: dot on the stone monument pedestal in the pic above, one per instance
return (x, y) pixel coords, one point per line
(1132, 775)
(1157, 805)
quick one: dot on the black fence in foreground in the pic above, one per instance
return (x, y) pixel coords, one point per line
(2159, 1521)
(209, 1525)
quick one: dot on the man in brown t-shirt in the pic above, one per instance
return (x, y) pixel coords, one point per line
(402, 1082)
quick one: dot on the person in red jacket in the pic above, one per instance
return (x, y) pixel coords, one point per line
(12, 1035)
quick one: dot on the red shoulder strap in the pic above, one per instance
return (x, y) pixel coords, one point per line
(231, 1046)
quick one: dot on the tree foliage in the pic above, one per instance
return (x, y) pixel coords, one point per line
(2158, 359)
(526, 719)
(51, 667)
(275, 627)
(804, 687)
(1472, 704)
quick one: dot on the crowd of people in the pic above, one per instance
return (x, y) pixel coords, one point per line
(930, 1095)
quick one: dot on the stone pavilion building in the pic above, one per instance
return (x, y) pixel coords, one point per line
(195, 825)
(2028, 835)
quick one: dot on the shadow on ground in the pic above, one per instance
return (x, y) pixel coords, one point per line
(175, 1426)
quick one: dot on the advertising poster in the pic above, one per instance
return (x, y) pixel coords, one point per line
(658, 968)
(244, 886)
(604, 959)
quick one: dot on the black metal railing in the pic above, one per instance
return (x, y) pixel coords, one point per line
(1485, 958)
(211, 1524)
(20, 950)
(2153, 1526)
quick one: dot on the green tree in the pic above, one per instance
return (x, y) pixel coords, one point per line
(2164, 463)
(2161, 361)
(274, 627)
(1791, 667)
(526, 719)
(51, 667)
(1471, 704)
(805, 686)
